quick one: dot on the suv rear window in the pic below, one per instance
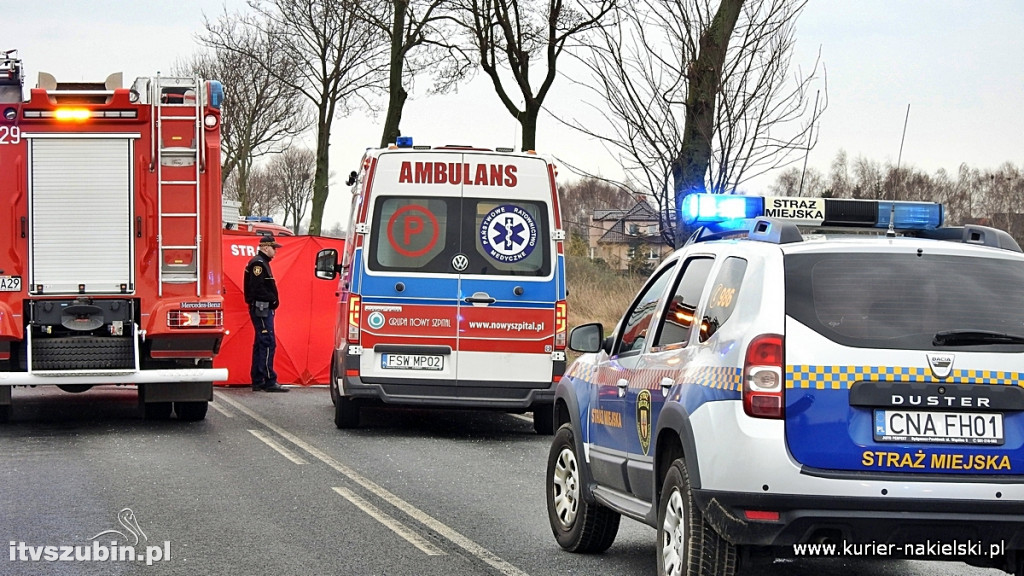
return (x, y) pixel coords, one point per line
(498, 237)
(900, 301)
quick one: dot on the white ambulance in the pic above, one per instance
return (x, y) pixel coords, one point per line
(452, 290)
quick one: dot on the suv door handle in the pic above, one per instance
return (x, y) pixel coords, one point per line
(622, 385)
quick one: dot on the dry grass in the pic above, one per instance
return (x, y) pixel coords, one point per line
(597, 294)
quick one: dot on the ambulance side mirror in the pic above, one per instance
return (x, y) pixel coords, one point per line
(327, 264)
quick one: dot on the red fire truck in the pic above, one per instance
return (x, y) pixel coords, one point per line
(110, 255)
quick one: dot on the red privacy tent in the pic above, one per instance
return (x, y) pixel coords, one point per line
(305, 320)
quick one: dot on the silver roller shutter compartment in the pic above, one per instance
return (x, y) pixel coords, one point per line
(81, 202)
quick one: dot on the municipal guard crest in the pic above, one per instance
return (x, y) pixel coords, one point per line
(643, 419)
(257, 270)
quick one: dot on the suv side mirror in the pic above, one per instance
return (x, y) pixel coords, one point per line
(327, 264)
(586, 338)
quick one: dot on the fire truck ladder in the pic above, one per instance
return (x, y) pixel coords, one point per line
(178, 158)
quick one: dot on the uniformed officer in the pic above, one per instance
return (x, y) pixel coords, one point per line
(261, 296)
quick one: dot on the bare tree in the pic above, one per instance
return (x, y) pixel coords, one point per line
(699, 98)
(508, 35)
(578, 201)
(260, 115)
(293, 171)
(264, 192)
(339, 63)
(420, 35)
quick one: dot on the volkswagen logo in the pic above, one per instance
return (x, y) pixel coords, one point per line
(460, 262)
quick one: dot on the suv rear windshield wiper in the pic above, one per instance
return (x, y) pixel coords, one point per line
(971, 337)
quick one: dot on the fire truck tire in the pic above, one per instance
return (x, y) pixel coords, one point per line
(346, 412)
(191, 411)
(543, 419)
(157, 410)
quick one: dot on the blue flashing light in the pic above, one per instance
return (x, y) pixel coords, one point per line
(404, 142)
(717, 208)
(216, 93)
(259, 219)
(910, 215)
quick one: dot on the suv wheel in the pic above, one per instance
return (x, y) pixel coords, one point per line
(687, 545)
(577, 525)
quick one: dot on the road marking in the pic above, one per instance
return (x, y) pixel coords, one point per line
(437, 526)
(523, 417)
(277, 446)
(226, 413)
(396, 526)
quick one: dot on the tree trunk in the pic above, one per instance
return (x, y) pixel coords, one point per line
(704, 78)
(528, 123)
(396, 92)
(320, 190)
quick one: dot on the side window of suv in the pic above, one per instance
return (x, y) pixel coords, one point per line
(682, 309)
(722, 299)
(638, 320)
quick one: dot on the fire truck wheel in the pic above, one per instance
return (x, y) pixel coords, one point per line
(346, 412)
(191, 411)
(543, 419)
(158, 410)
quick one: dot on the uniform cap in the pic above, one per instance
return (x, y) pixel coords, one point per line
(267, 239)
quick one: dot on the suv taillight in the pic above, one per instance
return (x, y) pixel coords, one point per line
(354, 309)
(762, 377)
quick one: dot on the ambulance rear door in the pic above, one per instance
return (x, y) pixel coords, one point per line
(509, 281)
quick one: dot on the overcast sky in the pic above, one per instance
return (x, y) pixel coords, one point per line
(959, 64)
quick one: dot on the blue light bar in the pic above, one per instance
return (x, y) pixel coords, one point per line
(403, 141)
(717, 208)
(910, 215)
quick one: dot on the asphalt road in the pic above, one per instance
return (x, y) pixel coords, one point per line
(267, 485)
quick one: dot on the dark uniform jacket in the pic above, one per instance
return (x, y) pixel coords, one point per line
(259, 281)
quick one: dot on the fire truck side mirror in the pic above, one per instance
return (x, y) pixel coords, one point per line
(327, 264)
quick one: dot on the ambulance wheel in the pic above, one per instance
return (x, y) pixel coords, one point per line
(191, 411)
(334, 387)
(74, 388)
(5, 413)
(578, 526)
(687, 544)
(543, 419)
(346, 412)
(157, 410)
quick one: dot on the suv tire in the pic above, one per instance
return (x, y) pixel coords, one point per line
(577, 525)
(687, 544)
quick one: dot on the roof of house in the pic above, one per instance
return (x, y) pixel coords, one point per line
(641, 212)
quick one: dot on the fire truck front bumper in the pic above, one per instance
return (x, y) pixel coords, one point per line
(99, 377)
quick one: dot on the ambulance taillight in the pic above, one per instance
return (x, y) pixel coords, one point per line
(354, 307)
(561, 320)
(762, 377)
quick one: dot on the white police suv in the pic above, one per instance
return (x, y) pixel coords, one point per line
(769, 389)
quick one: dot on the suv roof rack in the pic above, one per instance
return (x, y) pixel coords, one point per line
(973, 234)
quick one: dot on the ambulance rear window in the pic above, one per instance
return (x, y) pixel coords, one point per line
(902, 300)
(453, 235)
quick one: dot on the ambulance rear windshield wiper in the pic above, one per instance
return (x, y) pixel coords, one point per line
(973, 337)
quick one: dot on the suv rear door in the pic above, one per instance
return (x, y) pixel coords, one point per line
(888, 364)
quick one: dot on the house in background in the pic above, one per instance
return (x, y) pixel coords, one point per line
(621, 237)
